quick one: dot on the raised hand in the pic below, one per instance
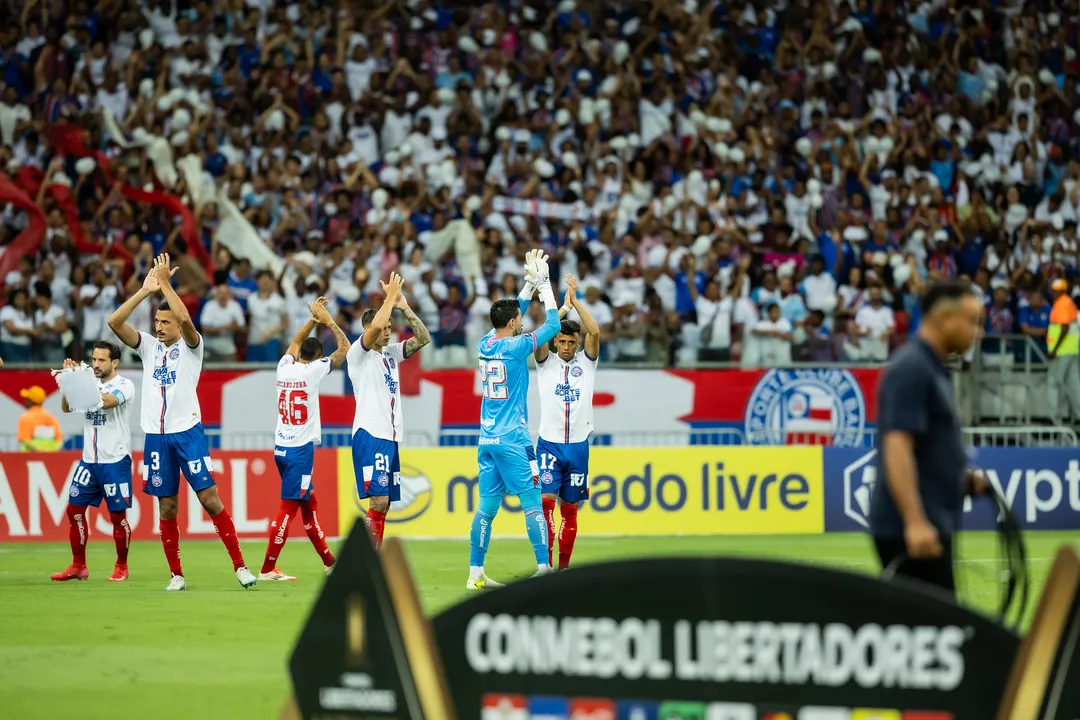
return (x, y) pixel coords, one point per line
(150, 283)
(163, 269)
(571, 291)
(530, 266)
(543, 273)
(393, 287)
(69, 364)
(319, 313)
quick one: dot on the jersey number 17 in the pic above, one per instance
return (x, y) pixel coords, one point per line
(292, 407)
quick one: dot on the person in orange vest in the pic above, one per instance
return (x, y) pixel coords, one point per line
(1063, 342)
(38, 429)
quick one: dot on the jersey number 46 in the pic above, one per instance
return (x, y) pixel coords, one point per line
(292, 407)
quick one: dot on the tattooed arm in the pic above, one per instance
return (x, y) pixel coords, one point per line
(421, 336)
(321, 315)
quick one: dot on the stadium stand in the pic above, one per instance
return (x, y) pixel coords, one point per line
(760, 182)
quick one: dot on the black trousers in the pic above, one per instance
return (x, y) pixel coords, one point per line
(937, 572)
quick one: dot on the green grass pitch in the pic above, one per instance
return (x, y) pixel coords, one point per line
(97, 649)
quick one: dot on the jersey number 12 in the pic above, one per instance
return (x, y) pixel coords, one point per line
(493, 375)
(292, 407)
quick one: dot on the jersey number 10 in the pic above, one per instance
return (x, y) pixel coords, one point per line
(292, 407)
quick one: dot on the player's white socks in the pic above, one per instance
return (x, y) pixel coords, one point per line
(476, 572)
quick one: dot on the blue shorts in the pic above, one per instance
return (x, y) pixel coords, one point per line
(91, 482)
(294, 465)
(507, 464)
(564, 469)
(166, 456)
(377, 466)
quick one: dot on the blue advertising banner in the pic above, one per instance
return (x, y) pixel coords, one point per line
(1041, 485)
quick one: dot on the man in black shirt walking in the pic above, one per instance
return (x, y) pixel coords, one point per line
(922, 462)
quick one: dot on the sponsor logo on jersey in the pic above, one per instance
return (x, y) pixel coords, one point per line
(796, 404)
(565, 393)
(96, 417)
(391, 383)
(164, 376)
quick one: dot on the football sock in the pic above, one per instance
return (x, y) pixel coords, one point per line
(535, 524)
(549, 515)
(279, 533)
(121, 533)
(480, 537)
(314, 532)
(567, 534)
(376, 523)
(78, 532)
(227, 532)
(170, 542)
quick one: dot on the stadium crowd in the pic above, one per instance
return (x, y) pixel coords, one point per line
(740, 181)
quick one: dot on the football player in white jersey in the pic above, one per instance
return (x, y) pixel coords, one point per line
(104, 473)
(377, 425)
(172, 420)
(299, 430)
(566, 384)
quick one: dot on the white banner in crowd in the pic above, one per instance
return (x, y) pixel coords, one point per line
(542, 208)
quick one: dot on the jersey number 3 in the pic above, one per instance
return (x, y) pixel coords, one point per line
(292, 407)
(493, 375)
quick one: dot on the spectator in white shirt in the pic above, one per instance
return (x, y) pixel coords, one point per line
(715, 312)
(819, 287)
(221, 319)
(97, 300)
(16, 327)
(269, 319)
(874, 325)
(714, 322)
(773, 335)
(51, 321)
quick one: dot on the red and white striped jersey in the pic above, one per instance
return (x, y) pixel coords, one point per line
(107, 432)
(170, 398)
(566, 397)
(376, 382)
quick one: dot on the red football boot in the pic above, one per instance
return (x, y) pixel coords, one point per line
(72, 572)
(119, 573)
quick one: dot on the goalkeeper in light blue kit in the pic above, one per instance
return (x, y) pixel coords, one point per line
(505, 455)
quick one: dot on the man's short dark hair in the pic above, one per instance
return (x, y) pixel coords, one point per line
(570, 327)
(310, 349)
(42, 289)
(944, 291)
(367, 317)
(164, 305)
(503, 311)
(113, 348)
